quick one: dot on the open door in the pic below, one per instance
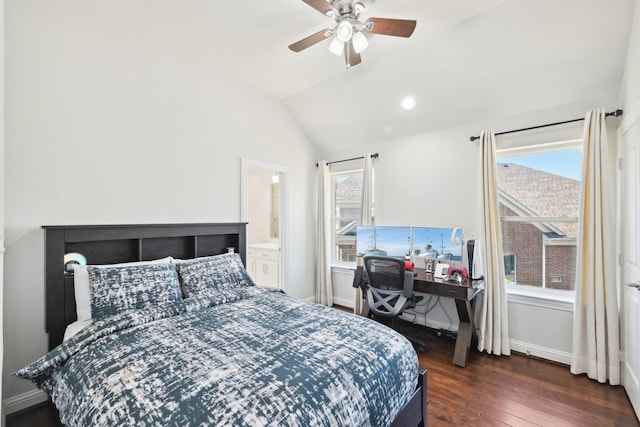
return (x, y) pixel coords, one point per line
(265, 208)
(630, 245)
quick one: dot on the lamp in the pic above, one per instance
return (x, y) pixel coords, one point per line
(336, 47)
(344, 31)
(360, 42)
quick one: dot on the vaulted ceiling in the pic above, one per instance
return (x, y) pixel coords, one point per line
(467, 59)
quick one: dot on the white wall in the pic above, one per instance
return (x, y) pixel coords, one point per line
(1, 204)
(103, 127)
(433, 179)
(630, 93)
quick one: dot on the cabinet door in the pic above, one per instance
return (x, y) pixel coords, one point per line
(251, 268)
(267, 267)
(251, 264)
(264, 271)
(271, 273)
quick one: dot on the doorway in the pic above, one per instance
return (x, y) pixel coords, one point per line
(264, 208)
(629, 233)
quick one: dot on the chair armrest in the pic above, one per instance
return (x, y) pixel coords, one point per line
(408, 284)
(357, 277)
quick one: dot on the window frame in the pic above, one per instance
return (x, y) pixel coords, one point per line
(336, 170)
(543, 296)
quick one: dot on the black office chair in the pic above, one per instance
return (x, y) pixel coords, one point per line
(390, 290)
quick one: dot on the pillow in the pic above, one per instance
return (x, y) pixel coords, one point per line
(116, 290)
(208, 275)
(81, 284)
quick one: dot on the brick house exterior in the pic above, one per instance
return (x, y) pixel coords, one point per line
(348, 192)
(525, 241)
(544, 253)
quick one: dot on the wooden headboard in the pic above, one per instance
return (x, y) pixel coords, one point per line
(110, 244)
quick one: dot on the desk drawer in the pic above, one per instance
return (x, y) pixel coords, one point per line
(454, 291)
(425, 287)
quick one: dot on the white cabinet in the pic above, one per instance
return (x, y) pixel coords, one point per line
(251, 262)
(263, 264)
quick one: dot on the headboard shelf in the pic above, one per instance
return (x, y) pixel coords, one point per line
(110, 244)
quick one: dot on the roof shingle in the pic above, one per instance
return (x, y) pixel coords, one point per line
(543, 193)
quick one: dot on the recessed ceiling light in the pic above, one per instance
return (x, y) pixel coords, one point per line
(408, 103)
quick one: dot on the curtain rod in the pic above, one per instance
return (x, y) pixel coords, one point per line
(616, 113)
(373, 156)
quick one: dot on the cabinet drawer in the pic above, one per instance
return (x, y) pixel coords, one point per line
(267, 254)
(251, 252)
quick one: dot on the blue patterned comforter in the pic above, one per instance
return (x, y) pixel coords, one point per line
(249, 356)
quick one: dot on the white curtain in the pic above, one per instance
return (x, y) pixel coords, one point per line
(494, 327)
(366, 204)
(595, 348)
(324, 287)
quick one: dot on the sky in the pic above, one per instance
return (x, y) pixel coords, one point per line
(566, 163)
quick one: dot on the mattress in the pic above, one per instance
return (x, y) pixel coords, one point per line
(248, 356)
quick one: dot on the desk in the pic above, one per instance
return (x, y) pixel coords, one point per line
(464, 296)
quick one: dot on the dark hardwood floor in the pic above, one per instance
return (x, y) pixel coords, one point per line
(515, 390)
(491, 391)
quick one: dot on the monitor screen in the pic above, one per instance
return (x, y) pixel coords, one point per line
(383, 240)
(407, 242)
(437, 243)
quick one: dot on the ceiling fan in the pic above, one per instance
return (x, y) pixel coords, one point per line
(349, 34)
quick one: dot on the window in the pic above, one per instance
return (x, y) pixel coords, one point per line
(510, 267)
(539, 202)
(346, 191)
(556, 278)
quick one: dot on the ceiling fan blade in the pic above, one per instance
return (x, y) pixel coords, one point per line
(310, 40)
(390, 27)
(321, 6)
(351, 57)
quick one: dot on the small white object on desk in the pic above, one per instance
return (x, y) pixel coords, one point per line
(442, 270)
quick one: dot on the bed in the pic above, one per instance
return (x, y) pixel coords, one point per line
(197, 343)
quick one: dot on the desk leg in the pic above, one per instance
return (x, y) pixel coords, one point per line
(465, 332)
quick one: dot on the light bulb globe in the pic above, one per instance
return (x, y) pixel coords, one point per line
(360, 42)
(336, 47)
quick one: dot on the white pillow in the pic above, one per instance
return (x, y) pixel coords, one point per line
(74, 328)
(81, 284)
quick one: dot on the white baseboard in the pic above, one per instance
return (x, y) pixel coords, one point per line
(419, 319)
(23, 401)
(345, 302)
(518, 346)
(541, 352)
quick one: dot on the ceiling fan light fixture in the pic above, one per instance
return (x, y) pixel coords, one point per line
(344, 31)
(350, 36)
(360, 42)
(336, 47)
(358, 8)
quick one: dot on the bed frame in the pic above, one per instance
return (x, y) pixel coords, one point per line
(110, 244)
